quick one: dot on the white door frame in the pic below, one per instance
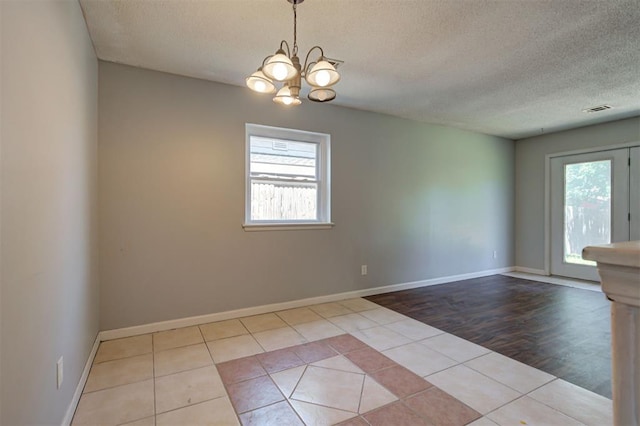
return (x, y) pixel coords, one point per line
(547, 191)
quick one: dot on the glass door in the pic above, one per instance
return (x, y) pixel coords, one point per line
(589, 205)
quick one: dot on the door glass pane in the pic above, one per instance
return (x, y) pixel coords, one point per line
(587, 208)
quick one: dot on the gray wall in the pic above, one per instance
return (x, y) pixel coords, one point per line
(48, 196)
(413, 201)
(530, 159)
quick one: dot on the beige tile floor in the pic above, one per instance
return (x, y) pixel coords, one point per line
(350, 362)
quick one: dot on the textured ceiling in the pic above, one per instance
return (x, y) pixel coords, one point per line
(502, 67)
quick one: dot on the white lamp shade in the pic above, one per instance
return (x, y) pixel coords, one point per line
(322, 74)
(284, 97)
(258, 82)
(279, 67)
(322, 94)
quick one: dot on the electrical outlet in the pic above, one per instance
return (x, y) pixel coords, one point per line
(363, 270)
(495, 254)
(60, 371)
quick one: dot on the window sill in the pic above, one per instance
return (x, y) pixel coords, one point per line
(252, 227)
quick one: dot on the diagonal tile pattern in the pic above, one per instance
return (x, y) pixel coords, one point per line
(374, 395)
(339, 363)
(279, 413)
(330, 388)
(287, 380)
(349, 362)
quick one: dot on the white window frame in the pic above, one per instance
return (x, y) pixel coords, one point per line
(323, 167)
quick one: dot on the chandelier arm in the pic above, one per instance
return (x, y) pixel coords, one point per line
(309, 53)
(284, 43)
(264, 61)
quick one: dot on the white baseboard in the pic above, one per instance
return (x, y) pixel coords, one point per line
(256, 310)
(83, 380)
(552, 279)
(529, 270)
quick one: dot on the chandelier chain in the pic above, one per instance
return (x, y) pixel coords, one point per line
(295, 29)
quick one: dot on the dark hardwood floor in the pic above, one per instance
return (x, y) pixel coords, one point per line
(561, 330)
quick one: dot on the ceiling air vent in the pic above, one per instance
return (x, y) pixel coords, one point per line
(280, 145)
(335, 62)
(598, 108)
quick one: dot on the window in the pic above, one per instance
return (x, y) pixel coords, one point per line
(287, 179)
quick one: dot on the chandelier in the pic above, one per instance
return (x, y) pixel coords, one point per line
(284, 67)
